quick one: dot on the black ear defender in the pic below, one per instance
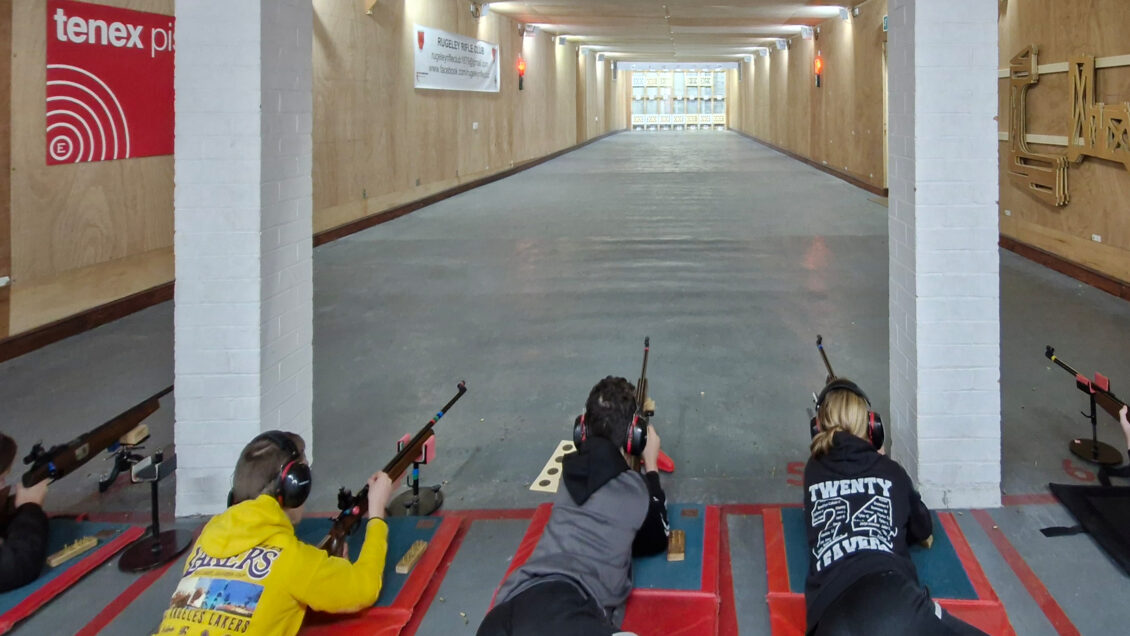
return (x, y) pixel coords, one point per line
(875, 433)
(634, 442)
(292, 486)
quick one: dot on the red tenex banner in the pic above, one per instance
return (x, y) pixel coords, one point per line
(109, 83)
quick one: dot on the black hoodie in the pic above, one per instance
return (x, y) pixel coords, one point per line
(862, 512)
(603, 516)
(23, 548)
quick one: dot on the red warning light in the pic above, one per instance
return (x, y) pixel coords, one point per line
(818, 65)
(521, 67)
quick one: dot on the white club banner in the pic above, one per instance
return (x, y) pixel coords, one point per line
(451, 62)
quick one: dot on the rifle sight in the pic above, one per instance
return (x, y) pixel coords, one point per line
(344, 499)
(34, 454)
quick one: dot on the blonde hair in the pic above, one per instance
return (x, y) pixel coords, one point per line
(843, 411)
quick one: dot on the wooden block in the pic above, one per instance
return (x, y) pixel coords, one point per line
(71, 550)
(677, 546)
(135, 436)
(549, 479)
(408, 561)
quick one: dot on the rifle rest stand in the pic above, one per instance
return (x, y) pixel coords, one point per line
(156, 547)
(1092, 450)
(418, 502)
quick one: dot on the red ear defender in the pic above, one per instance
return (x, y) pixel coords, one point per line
(636, 437)
(628, 440)
(282, 480)
(875, 431)
(579, 432)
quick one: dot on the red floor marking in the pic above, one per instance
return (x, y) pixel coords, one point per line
(476, 514)
(755, 509)
(711, 538)
(489, 514)
(127, 597)
(776, 561)
(50, 590)
(1027, 500)
(132, 517)
(969, 562)
(432, 589)
(728, 613)
(1039, 593)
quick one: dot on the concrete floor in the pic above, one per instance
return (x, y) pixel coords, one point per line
(730, 256)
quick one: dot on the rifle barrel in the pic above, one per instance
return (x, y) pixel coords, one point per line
(824, 356)
(62, 460)
(641, 385)
(357, 505)
(1049, 352)
(423, 435)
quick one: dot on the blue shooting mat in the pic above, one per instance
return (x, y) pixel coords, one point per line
(60, 532)
(402, 533)
(939, 568)
(657, 573)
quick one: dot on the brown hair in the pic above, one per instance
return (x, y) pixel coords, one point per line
(610, 407)
(7, 452)
(841, 411)
(259, 464)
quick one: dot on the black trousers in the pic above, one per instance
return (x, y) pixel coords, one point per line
(555, 608)
(889, 604)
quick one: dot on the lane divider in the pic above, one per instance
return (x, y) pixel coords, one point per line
(1036, 589)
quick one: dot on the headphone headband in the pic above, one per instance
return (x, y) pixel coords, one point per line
(283, 441)
(845, 385)
(876, 434)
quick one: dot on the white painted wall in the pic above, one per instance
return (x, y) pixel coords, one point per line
(243, 309)
(944, 263)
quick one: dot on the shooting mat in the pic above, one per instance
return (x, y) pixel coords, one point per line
(1104, 513)
(112, 538)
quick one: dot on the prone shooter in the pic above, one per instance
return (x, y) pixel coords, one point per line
(251, 547)
(23, 550)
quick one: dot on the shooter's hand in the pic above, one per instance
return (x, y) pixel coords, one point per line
(928, 542)
(34, 494)
(651, 450)
(1125, 424)
(380, 491)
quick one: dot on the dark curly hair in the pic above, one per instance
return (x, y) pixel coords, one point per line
(609, 409)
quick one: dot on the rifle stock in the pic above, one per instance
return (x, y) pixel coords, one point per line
(355, 507)
(1104, 399)
(61, 460)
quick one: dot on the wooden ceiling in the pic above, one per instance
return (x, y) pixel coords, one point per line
(672, 30)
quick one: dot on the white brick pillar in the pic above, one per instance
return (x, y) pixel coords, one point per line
(243, 309)
(944, 264)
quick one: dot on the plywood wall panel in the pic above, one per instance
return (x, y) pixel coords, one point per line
(839, 124)
(5, 147)
(380, 142)
(5, 158)
(1100, 190)
(71, 216)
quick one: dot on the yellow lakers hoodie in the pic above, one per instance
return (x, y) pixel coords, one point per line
(249, 574)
